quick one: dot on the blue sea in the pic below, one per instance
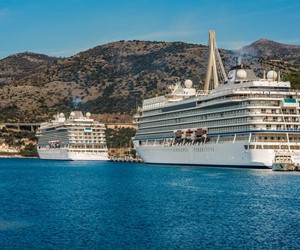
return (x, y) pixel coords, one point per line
(108, 205)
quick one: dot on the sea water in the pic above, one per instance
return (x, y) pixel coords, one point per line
(108, 205)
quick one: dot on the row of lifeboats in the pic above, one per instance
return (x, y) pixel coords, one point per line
(195, 133)
(54, 144)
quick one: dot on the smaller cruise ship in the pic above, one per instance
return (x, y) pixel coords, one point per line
(78, 137)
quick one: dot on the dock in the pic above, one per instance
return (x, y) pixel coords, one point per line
(125, 158)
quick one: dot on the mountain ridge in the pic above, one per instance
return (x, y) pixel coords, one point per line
(19, 65)
(110, 79)
(273, 50)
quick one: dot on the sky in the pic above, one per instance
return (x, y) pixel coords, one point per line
(65, 27)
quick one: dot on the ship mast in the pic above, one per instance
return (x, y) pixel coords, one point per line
(215, 65)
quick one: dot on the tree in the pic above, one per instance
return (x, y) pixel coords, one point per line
(30, 150)
(119, 137)
(294, 78)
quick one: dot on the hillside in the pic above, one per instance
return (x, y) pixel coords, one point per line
(273, 50)
(18, 66)
(109, 80)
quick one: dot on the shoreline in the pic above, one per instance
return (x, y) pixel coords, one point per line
(16, 157)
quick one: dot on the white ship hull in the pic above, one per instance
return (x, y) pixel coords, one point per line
(243, 121)
(231, 154)
(65, 154)
(78, 138)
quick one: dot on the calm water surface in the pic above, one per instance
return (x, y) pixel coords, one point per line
(93, 205)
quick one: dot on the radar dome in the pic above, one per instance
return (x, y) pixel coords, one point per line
(188, 84)
(272, 75)
(72, 114)
(88, 114)
(241, 74)
(61, 115)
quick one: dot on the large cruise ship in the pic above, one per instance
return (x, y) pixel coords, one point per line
(241, 121)
(75, 138)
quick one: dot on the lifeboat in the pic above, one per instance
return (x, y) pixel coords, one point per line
(178, 134)
(198, 132)
(188, 133)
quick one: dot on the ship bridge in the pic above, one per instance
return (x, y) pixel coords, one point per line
(242, 76)
(240, 73)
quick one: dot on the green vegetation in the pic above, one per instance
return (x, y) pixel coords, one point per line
(294, 78)
(30, 150)
(119, 137)
(116, 77)
(13, 138)
(9, 111)
(19, 140)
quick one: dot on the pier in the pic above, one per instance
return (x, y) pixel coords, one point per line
(125, 158)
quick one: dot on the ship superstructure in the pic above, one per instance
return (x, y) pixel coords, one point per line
(242, 121)
(75, 138)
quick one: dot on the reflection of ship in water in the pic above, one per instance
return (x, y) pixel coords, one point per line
(77, 138)
(240, 121)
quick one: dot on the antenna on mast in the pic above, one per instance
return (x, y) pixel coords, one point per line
(215, 65)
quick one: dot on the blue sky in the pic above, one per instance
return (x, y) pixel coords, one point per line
(66, 27)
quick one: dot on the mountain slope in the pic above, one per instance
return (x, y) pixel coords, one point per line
(18, 66)
(273, 50)
(110, 79)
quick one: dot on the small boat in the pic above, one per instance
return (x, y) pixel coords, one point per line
(283, 161)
